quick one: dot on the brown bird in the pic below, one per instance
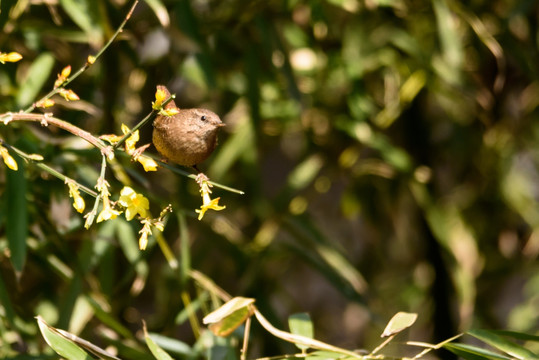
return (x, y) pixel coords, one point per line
(188, 137)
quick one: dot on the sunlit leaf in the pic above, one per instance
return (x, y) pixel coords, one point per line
(301, 324)
(62, 346)
(171, 345)
(399, 322)
(502, 344)
(160, 11)
(470, 352)
(229, 316)
(156, 350)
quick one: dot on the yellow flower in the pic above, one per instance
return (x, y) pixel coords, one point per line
(131, 141)
(91, 59)
(111, 138)
(213, 204)
(144, 233)
(8, 159)
(135, 203)
(69, 95)
(207, 201)
(108, 212)
(169, 112)
(148, 163)
(160, 96)
(78, 201)
(47, 103)
(10, 57)
(66, 72)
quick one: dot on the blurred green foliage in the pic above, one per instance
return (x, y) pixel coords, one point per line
(387, 150)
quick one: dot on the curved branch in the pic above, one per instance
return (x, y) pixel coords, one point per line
(46, 119)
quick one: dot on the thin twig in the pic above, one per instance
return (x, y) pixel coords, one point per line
(194, 177)
(143, 122)
(87, 64)
(47, 168)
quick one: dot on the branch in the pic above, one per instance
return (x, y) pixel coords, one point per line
(46, 119)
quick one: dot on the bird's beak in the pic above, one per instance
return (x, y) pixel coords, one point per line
(221, 125)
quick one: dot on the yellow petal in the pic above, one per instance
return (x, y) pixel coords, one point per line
(148, 163)
(160, 96)
(66, 71)
(47, 103)
(10, 57)
(169, 112)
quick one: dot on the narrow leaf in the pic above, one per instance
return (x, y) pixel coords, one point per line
(86, 15)
(172, 345)
(34, 80)
(159, 353)
(230, 316)
(160, 11)
(227, 309)
(301, 324)
(502, 344)
(516, 335)
(399, 322)
(62, 346)
(470, 352)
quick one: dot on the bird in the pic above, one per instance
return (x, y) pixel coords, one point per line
(188, 137)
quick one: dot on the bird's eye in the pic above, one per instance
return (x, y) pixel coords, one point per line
(203, 118)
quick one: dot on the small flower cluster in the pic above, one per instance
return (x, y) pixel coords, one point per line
(160, 97)
(67, 94)
(8, 159)
(130, 202)
(207, 201)
(147, 162)
(10, 57)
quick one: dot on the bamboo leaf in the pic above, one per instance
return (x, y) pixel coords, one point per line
(160, 11)
(502, 344)
(62, 346)
(85, 14)
(399, 322)
(301, 324)
(230, 316)
(156, 350)
(470, 352)
(37, 75)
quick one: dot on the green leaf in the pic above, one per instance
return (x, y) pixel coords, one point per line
(85, 13)
(230, 316)
(17, 215)
(399, 322)
(37, 75)
(502, 344)
(516, 335)
(159, 353)
(172, 345)
(305, 172)
(62, 346)
(301, 324)
(470, 352)
(160, 11)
